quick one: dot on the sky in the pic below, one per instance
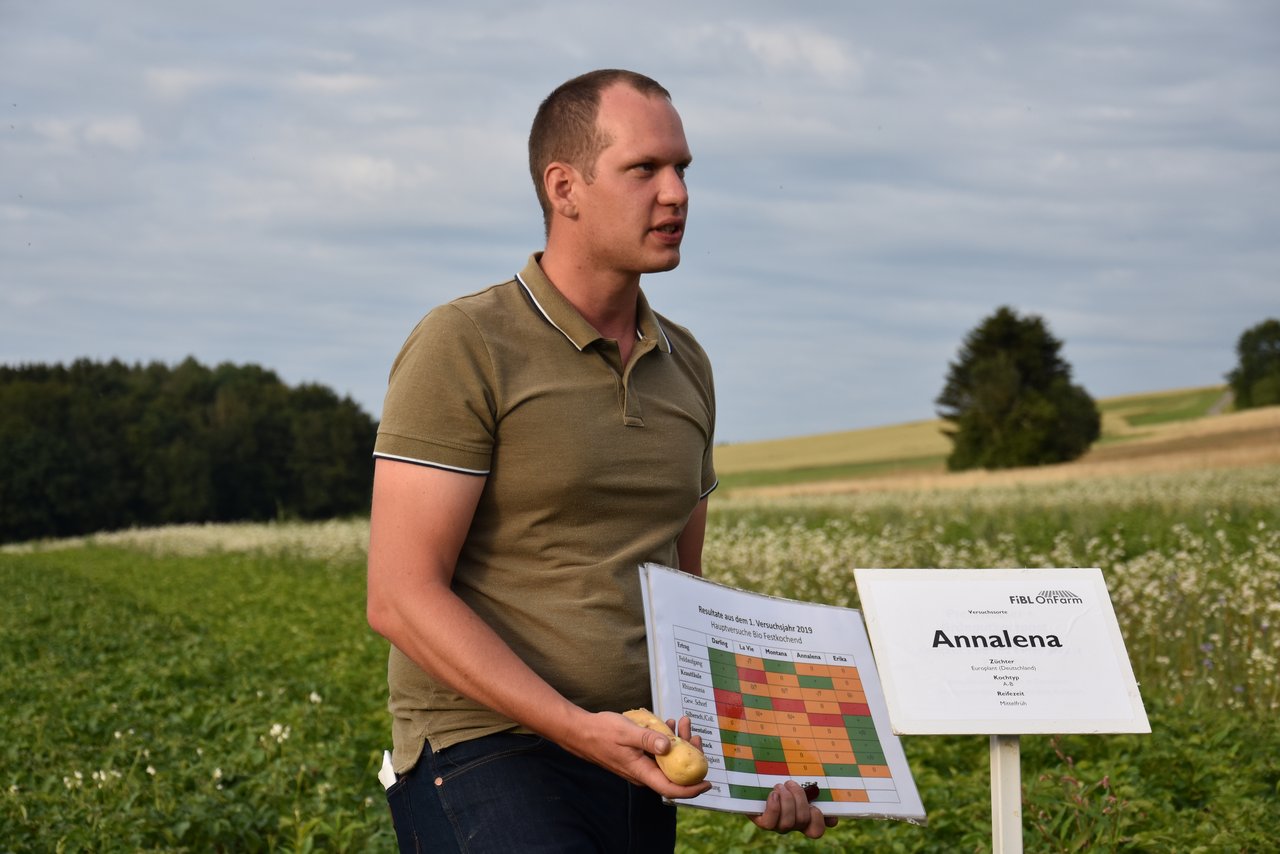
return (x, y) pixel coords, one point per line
(294, 184)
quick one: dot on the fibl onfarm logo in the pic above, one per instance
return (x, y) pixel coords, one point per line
(1047, 597)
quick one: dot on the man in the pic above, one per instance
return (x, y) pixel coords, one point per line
(540, 440)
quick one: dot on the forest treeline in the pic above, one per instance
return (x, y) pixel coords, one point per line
(98, 446)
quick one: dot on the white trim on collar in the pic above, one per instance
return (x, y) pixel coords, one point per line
(528, 290)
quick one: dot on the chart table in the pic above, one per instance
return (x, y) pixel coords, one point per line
(767, 714)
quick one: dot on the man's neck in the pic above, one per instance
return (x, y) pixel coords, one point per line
(606, 300)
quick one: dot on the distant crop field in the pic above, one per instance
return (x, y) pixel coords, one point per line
(215, 688)
(1166, 430)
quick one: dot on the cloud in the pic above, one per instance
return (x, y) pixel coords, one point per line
(296, 184)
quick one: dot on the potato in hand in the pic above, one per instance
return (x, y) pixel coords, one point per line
(683, 763)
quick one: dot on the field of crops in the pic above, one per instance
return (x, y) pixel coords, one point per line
(216, 688)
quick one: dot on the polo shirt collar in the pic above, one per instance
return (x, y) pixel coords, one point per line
(561, 314)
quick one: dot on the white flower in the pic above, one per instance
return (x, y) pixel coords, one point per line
(315, 698)
(151, 769)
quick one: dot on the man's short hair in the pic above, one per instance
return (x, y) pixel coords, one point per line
(564, 128)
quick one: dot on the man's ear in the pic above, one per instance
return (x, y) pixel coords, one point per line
(560, 180)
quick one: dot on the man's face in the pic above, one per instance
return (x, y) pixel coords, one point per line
(633, 212)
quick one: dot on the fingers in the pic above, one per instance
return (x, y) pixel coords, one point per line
(787, 808)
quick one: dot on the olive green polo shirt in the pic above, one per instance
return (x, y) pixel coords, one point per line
(592, 468)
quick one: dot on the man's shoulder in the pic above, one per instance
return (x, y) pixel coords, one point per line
(680, 337)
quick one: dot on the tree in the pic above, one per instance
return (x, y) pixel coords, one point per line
(94, 446)
(1010, 399)
(1256, 379)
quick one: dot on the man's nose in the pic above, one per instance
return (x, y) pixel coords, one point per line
(673, 191)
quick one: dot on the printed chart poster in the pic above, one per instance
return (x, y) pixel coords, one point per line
(778, 690)
(1000, 651)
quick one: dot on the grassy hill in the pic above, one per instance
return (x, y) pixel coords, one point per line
(1183, 427)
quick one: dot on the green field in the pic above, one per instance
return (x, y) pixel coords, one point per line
(216, 688)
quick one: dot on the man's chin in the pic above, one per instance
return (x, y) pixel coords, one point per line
(662, 265)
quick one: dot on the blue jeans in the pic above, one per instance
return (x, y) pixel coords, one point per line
(510, 793)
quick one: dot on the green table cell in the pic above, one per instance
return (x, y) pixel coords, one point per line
(862, 733)
(755, 701)
(841, 770)
(822, 682)
(765, 742)
(749, 793)
(773, 665)
(726, 681)
(720, 656)
(745, 765)
(769, 754)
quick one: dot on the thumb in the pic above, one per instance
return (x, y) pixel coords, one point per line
(654, 742)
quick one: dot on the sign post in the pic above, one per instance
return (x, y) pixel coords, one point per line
(1006, 795)
(1001, 653)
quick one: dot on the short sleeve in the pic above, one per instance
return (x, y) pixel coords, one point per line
(440, 404)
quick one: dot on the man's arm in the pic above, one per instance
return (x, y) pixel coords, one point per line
(689, 543)
(419, 521)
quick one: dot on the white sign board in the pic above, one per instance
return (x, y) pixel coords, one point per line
(999, 651)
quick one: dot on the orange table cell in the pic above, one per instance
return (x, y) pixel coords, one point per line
(807, 669)
(789, 679)
(757, 689)
(822, 707)
(833, 744)
(851, 697)
(801, 753)
(847, 683)
(762, 728)
(874, 770)
(834, 732)
(750, 662)
(794, 731)
(822, 695)
(737, 751)
(805, 769)
(734, 724)
(843, 671)
(838, 757)
(850, 795)
(791, 722)
(760, 715)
